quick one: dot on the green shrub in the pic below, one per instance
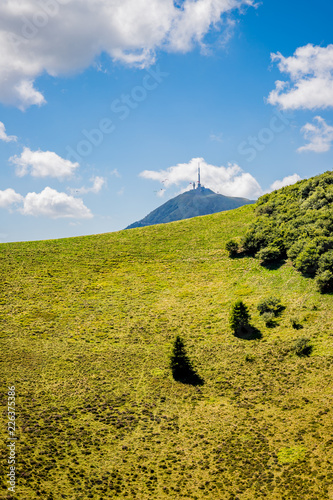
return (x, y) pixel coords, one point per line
(307, 260)
(265, 210)
(270, 305)
(232, 248)
(250, 243)
(268, 317)
(302, 347)
(269, 255)
(324, 282)
(259, 236)
(239, 317)
(296, 249)
(323, 243)
(325, 262)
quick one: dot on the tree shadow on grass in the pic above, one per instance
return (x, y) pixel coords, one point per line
(188, 376)
(248, 332)
(239, 255)
(272, 323)
(273, 266)
(181, 366)
(306, 351)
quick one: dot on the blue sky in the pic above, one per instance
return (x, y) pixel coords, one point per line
(105, 113)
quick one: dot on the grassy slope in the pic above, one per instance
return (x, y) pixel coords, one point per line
(87, 326)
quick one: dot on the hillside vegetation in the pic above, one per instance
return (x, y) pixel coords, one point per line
(88, 326)
(297, 222)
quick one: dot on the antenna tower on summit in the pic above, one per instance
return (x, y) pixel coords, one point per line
(199, 184)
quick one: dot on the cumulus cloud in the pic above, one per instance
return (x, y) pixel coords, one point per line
(97, 184)
(286, 181)
(319, 135)
(310, 70)
(48, 36)
(50, 203)
(9, 197)
(42, 164)
(4, 137)
(229, 181)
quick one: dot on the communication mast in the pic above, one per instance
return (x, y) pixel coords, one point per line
(199, 184)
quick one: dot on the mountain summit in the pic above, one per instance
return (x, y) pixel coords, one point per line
(197, 201)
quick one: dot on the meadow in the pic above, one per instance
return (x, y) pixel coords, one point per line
(87, 327)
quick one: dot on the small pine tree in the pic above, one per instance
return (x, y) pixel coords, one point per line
(239, 317)
(179, 362)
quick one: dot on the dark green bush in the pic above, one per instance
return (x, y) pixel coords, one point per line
(324, 282)
(270, 305)
(325, 262)
(307, 260)
(232, 248)
(250, 243)
(302, 347)
(324, 243)
(269, 255)
(239, 317)
(268, 317)
(295, 249)
(259, 236)
(265, 210)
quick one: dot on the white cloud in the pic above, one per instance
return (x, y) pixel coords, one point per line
(229, 181)
(9, 197)
(193, 21)
(310, 70)
(48, 203)
(51, 203)
(97, 184)
(320, 136)
(51, 36)
(4, 136)
(287, 181)
(43, 164)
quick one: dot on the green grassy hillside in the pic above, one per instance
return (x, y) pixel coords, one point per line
(87, 328)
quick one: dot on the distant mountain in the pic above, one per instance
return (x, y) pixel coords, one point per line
(200, 201)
